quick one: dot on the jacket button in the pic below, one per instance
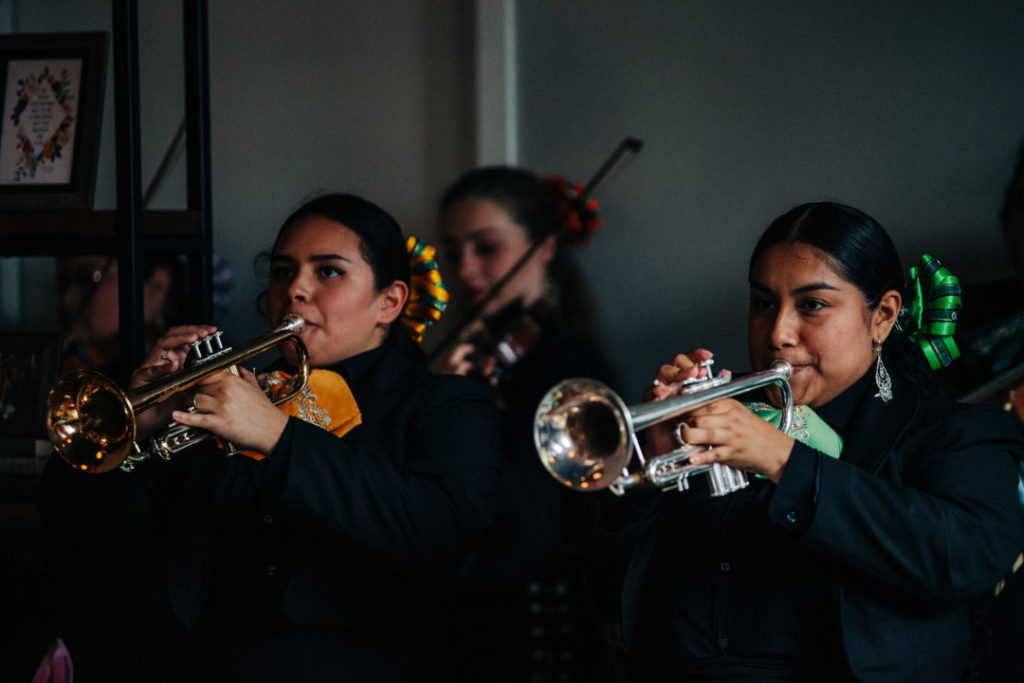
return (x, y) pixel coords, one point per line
(725, 566)
(271, 570)
(723, 641)
(268, 519)
(791, 517)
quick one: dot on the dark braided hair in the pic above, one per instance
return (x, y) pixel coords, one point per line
(866, 257)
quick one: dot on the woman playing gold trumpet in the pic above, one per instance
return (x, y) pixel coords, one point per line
(857, 551)
(321, 551)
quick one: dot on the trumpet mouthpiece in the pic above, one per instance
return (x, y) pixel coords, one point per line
(293, 322)
(782, 367)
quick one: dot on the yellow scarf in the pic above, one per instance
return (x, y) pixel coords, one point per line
(326, 401)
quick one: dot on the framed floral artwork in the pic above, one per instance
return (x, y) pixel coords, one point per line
(51, 86)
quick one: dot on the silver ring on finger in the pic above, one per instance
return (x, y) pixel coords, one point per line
(679, 432)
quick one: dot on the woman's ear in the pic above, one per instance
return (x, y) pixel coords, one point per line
(885, 315)
(547, 249)
(392, 301)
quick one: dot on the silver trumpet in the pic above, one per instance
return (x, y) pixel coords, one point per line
(91, 420)
(586, 434)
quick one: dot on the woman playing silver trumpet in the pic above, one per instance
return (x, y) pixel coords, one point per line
(324, 549)
(856, 551)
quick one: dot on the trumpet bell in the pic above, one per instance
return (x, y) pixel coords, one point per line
(582, 433)
(90, 421)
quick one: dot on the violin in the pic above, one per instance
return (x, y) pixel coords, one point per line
(500, 340)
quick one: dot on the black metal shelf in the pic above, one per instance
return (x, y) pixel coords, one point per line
(129, 232)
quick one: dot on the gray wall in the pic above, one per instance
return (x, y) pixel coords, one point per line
(319, 95)
(367, 97)
(912, 111)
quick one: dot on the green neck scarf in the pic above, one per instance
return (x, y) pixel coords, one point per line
(807, 427)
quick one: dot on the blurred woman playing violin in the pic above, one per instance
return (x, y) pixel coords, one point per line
(536, 330)
(496, 219)
(323, 550)
(857, 551)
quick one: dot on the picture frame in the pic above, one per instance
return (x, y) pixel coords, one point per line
(51, 93)
(29, 365)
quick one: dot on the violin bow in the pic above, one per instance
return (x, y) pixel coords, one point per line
(630, 145)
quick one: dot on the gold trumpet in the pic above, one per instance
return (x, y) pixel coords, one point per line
(586, 434)
(91, 420)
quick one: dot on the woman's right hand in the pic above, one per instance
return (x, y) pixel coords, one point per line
(166, 357)
(459, 362)
(668, 382)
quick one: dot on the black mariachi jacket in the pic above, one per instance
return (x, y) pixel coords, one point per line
(918, 515)
(386, 510)
(354, 532)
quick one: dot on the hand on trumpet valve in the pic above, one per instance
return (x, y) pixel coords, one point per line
(684, 369)
(169, 353)
(236, 409)
(738, 438)
(669, 381)
(165, 358)
(735, 436)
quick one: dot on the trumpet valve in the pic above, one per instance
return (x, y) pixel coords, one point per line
(208, 348)
(705, 380)
(720, 479)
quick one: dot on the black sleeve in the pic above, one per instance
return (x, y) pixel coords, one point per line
(793, 501)
(413, 510)
(949, 529)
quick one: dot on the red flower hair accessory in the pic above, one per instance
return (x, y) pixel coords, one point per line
(580, 219)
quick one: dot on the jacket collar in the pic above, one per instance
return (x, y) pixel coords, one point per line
(385, 379)
(874, 427)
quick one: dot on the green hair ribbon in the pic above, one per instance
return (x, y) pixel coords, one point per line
(427, 296)
(930, 320)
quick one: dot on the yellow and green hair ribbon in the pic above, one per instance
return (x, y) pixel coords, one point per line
(931, 317)
(427, 294)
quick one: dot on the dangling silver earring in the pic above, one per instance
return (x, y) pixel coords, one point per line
(882, 379)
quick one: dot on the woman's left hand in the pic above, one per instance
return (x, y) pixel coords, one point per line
(236, 409)
(739, 438)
